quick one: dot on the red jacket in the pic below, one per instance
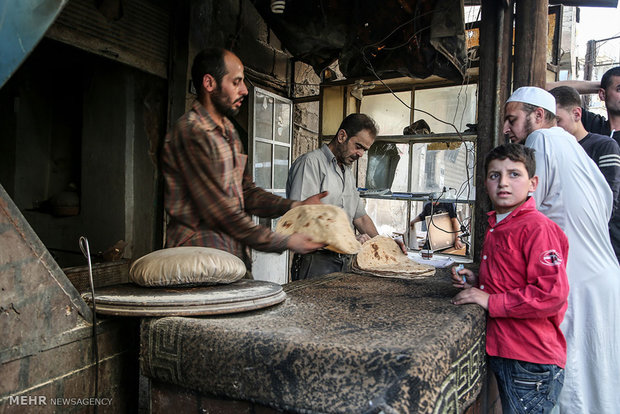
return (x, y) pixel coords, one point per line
(523, 268)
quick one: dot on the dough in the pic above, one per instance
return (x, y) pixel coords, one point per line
(382, 256)
(324, 223)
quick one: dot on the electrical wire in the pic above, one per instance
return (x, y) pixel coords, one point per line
(469, 149)
(84, 247)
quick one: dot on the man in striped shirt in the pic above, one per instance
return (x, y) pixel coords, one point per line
(602, 149)
(209, 194)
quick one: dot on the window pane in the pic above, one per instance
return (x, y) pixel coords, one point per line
(280, 167)
(264, 116)
(283, 122)
(389, 216)
(434, 169)
(417, 237)
(262, 165)
(388, 112)
(387, 166)
(454, 104)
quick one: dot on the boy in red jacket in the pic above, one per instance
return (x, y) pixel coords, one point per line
(522, 283)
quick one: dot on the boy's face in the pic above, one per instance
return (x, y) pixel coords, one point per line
(508, 184)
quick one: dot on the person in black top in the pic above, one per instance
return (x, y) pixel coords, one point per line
(602, 149)
(608, 91)
(435, 208)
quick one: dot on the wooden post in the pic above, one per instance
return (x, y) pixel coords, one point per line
(531, 43)
(494, 87)
(588, 69)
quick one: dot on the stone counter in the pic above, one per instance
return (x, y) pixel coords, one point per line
(342, 343)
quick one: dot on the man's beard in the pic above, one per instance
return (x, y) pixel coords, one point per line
(613, 110)
(340, 151)
(529, 128)
(220, 104)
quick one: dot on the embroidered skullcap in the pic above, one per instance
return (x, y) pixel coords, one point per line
(534, 96)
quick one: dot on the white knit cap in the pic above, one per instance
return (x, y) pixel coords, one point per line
(534, 96)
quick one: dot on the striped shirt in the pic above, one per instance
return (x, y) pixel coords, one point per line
(209, 194)
(606, 153)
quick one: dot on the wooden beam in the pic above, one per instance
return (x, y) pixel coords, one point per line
(494, 84)
(531, 43)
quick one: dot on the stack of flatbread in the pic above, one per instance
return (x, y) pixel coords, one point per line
(324, 223)
(381, 256)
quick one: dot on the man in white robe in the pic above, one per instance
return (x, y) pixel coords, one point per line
(574, 194)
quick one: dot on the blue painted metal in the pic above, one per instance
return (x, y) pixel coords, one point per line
(22, 25)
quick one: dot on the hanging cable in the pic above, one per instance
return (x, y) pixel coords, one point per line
(84, 247)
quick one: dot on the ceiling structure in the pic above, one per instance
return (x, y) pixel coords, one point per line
(370, 39)
(387, 39)
(414, 38)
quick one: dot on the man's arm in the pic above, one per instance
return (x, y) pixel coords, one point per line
(365, 225)
(582, 86)
(456, 228)
(201, 164)
(415, 220)
(609, 164)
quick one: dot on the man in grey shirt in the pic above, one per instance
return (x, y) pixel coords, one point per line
(329, 169)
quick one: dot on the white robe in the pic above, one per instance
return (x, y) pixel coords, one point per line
(574, 194)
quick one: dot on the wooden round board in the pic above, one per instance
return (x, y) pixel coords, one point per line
(133, 300)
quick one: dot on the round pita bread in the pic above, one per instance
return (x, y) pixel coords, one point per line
(324, 223)
(186, 266)
(382, 256)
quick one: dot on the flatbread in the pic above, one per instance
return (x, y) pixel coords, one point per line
(186, 266)
(324, 223)
(382, 256)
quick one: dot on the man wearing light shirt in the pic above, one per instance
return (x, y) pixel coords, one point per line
(574, 194)
(608, 90)
(602, 149)
(329, 169)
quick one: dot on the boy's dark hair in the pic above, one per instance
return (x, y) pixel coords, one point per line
(514, 152)
(529, 108)
(606, 79)
(209, 61)
(566, 97)
(355, 123)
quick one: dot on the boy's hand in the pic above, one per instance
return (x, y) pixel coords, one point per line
(463, 278)
(472, 295)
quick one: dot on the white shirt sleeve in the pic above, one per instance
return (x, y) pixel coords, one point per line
(536, 141)
(303, 179)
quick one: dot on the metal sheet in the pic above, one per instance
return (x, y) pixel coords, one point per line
(22, 25)
(133, 300)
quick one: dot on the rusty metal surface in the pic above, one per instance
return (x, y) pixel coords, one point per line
(66, 370)
(38, 302)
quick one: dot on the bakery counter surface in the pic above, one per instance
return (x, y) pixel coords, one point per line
(342, 343)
